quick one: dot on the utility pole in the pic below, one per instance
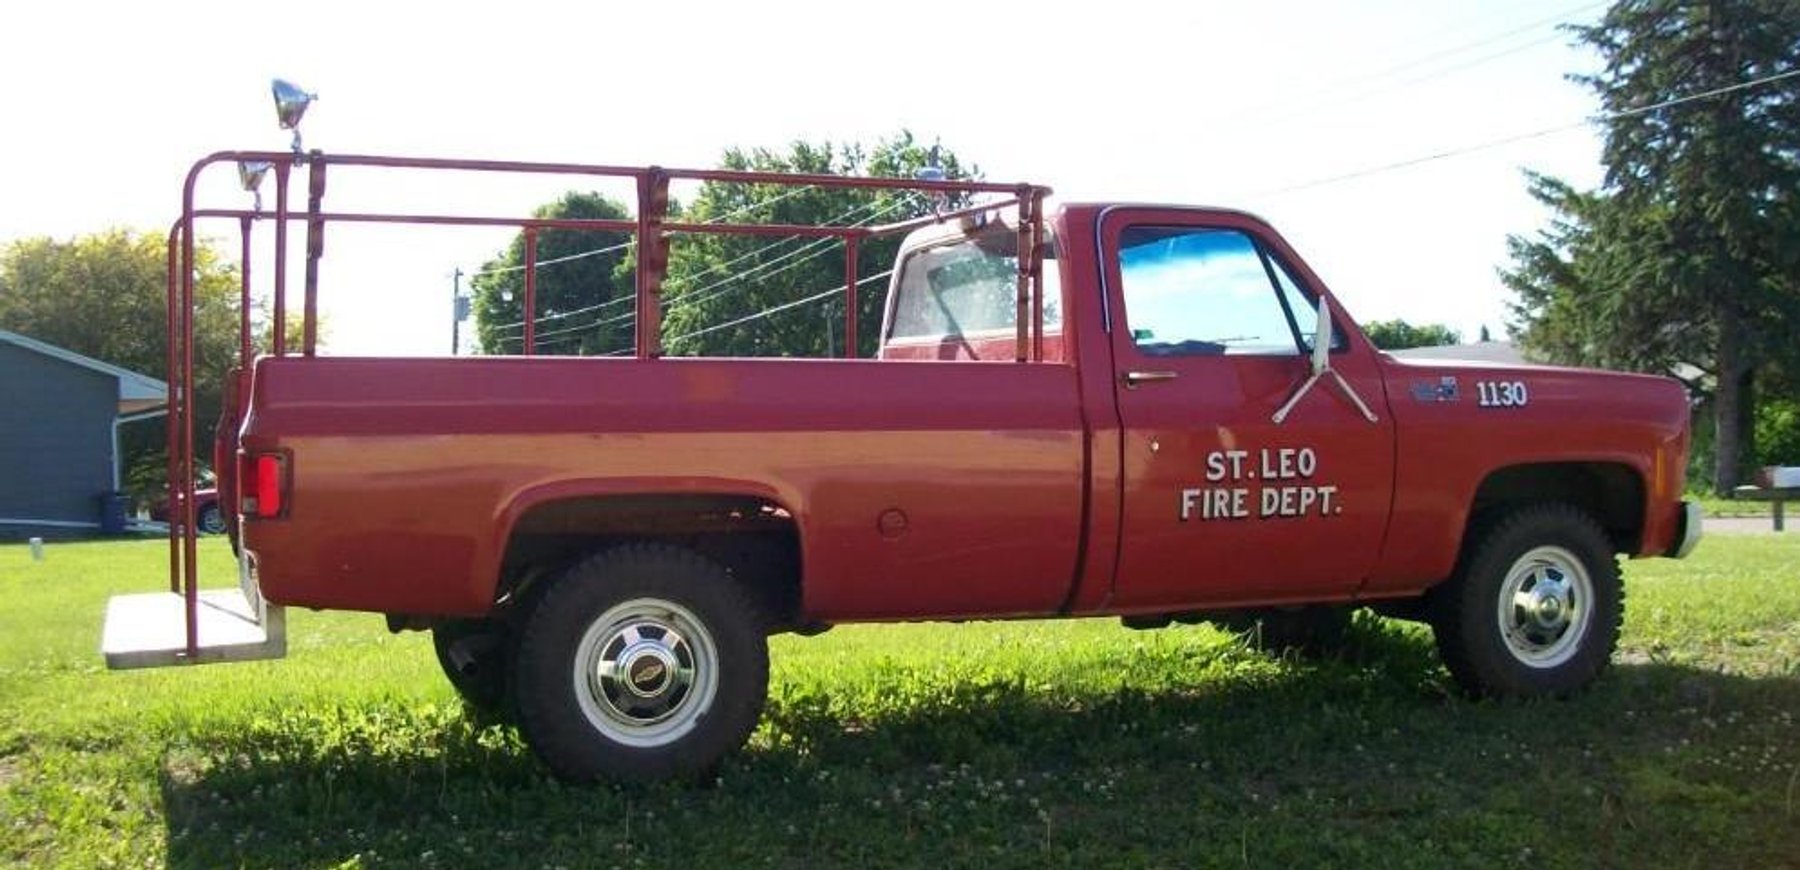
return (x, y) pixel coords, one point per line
(457, 310)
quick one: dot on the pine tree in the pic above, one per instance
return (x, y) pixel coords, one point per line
(1688, 256)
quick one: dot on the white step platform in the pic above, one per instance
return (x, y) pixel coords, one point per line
(150, 630)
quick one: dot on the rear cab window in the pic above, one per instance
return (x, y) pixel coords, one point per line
(957, 299)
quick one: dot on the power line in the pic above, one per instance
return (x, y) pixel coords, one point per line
(627, 298)
(862, 221)
(1536, 134)
(767, 312)
(672, 301)
(1326, 97)
(683, 299)
(1306, 101)
(501, 270)
(823, 243)
(1558, 18)
(628, 315)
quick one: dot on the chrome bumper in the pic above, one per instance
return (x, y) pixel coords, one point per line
(1687, 531)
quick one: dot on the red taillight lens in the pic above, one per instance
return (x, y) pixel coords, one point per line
(261, 479)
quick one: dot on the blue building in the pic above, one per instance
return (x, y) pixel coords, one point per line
(60, 414)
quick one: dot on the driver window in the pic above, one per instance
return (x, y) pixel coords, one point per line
(1197, 291)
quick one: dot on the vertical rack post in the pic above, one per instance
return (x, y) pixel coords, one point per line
(1037, 275)
(652, 258)
(244, 349)
(278, 341)
(315, 247)
(172, 420)
(531, 241)
(850, 306)
(185, 402)
(1022, 298)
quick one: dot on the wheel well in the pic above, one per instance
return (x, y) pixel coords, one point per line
(754, 539)
(1611, 493)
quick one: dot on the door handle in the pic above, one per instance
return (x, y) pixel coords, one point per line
(1132, 379)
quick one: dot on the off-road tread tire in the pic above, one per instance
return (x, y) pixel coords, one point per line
(549, 714)
(1462, 609)
(486, 687)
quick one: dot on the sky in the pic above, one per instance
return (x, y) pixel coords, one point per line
(104, 106)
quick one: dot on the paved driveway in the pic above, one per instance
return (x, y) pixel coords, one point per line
(1746, 525)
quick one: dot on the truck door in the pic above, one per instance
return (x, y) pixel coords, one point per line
(1212, 321)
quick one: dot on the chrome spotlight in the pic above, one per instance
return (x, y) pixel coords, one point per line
(290, 106)
(250, 175)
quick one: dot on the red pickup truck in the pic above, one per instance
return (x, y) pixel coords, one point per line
(1149, 411)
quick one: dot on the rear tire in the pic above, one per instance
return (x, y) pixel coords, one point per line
(641, 663)
(1535, 608)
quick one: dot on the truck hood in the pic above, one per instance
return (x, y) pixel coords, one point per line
(1546, 408)
(1478, 363)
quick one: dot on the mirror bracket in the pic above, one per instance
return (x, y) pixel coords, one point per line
(1321, 369)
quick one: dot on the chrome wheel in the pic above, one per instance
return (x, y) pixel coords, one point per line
(645, 672)
(1544, 607)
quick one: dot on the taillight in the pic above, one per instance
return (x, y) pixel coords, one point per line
(262, 479)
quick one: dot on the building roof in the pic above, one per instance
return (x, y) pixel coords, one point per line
(136, 392)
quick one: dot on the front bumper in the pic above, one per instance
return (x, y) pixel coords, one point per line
(1687, 531)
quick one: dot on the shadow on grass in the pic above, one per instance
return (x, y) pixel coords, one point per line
(1367, 753)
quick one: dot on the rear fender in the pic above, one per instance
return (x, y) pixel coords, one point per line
(526, 500)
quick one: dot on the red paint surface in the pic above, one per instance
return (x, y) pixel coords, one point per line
(1028, 489)
(406, 472)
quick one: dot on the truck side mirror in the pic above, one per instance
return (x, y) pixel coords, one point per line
(1321, 368)
(1321, 350)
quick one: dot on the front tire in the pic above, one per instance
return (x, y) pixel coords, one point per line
(641, 663)
(1535, 609)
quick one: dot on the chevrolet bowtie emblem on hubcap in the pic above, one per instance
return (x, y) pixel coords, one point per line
(648, 675)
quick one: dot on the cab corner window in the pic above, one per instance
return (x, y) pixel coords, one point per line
(1195, 291)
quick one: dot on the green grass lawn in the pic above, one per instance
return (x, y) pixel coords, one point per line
(1070, 744)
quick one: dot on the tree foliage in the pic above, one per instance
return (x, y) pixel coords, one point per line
(103, 295)
(583, 288)
(1685, 260)
(1400, 335)
(716, 280)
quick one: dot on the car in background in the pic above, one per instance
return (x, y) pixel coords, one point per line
(209, 517)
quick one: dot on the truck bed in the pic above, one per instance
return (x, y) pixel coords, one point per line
(943, 489)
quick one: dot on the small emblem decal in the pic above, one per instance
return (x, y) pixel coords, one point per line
(647, 674)
(1444, 390)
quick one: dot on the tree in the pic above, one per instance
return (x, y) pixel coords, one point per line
(585, 279)
(1684, 260)
(715, 281)
(584, 285)
(1400, 335)
(103, 296)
